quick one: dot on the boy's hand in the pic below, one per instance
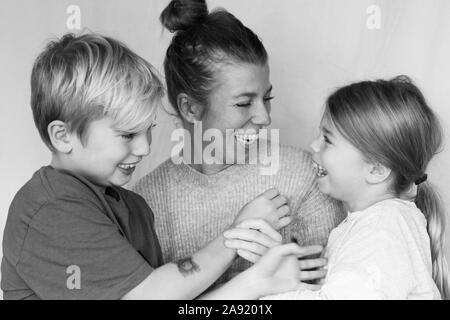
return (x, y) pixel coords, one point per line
(270, 206)
(252, 238)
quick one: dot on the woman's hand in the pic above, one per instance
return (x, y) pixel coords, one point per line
(270, 206)
(252, 238)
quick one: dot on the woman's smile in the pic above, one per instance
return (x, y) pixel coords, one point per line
(246, 137)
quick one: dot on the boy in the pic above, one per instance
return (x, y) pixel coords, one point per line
(72, 232)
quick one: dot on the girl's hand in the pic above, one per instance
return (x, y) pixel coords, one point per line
(270, 206)
(312, 270)
(252, 238)
(277, 271)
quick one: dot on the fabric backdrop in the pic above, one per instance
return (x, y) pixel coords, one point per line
(314, 47)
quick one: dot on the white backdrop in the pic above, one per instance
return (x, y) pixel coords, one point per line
(314, 47)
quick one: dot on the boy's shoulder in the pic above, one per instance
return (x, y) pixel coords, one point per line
(47, 188)
(49, 184)
(54, 189)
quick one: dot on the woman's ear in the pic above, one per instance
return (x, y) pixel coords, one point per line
(377, 173)
(190, 110)
(60, 137)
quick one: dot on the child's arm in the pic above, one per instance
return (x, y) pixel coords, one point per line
(189, 277)
(72, 250)
(272, 274)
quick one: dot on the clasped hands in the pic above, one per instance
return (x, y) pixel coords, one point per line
(255, 237)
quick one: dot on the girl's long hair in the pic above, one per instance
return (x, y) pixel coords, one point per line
(391, 123)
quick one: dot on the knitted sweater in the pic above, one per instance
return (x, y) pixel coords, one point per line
(191, 209)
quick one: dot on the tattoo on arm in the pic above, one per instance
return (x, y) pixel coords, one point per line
(187, 266)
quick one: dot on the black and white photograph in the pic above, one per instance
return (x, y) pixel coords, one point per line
(232, 150)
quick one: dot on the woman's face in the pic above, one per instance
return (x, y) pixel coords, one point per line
(240, 102)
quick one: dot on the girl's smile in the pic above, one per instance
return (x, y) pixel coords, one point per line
(320, 171)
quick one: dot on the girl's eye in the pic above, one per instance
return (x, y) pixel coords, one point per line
(325, 138)
(268, 99)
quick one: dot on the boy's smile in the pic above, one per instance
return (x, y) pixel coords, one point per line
(128, 168)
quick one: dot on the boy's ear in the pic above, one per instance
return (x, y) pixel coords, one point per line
(190, 110)
(377, 173)
(60, 137)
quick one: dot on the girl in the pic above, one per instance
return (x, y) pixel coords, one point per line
(377, 140)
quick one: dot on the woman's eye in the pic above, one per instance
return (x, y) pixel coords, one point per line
(248, 104)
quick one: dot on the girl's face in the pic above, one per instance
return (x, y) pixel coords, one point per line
(340, 168)
(239, 102)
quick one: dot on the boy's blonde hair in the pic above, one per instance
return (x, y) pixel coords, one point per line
(79, 79)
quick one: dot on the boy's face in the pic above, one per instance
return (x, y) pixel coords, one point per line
(109, 157)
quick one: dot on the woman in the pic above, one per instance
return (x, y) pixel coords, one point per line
(217, 77)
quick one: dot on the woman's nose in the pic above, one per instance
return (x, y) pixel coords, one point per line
(261, 116)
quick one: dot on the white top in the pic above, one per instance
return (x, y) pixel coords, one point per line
(382, 252)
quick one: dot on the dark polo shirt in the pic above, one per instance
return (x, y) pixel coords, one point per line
(66, 238)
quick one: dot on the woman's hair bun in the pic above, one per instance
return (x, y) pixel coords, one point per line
(183, 14)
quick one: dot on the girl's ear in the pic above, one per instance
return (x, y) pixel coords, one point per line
(60, 137)
(190, 110)
(377, 173)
